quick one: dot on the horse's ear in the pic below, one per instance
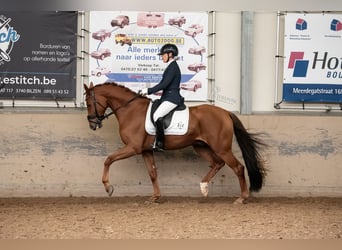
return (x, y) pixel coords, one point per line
(86, 88)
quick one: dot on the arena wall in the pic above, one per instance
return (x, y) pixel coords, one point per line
(56, 154)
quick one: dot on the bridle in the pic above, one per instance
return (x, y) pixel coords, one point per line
(99, 118)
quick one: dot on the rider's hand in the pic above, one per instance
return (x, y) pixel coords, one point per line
(143, 91)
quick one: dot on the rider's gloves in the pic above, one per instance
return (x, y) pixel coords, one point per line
(143, 91)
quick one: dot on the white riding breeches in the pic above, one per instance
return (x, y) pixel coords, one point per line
(163, 109)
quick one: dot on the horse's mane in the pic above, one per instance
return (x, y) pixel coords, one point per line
(116, 85)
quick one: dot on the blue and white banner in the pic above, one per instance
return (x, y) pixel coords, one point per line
(38, 55)
(124, 47)
(313, 58)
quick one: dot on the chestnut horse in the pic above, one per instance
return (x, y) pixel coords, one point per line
(210, 133)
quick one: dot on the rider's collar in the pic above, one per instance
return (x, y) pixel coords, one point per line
(170, 61)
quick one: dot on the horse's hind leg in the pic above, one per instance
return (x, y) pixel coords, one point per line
(216, 164)
(152, 171)
(238, 169)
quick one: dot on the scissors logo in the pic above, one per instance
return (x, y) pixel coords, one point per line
(8, 36)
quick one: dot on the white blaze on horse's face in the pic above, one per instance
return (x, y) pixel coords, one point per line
(98, 125)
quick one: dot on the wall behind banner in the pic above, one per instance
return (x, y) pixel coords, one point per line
(52, 152)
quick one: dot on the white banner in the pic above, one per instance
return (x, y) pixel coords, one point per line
(313, 58)
(124, 48)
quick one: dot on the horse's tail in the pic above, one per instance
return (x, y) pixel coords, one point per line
(250, 146)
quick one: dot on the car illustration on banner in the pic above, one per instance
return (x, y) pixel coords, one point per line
(197, 50)
(193, 30)
(197, 67)
(120, 21)
(179, 20)
(101, 53)
(191, 85)
(150, 20)
(99, 71)
(123, 39)
(101, 34)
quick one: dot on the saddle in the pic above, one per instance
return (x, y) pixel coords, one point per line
(167, 119)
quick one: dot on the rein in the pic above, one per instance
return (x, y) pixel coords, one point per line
(100, 118)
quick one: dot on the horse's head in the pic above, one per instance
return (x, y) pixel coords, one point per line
(96, 107)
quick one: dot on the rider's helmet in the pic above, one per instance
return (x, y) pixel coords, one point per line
(169, 48)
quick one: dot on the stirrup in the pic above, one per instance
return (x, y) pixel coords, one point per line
(157, 148)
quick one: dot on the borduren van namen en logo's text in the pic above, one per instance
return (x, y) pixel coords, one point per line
(332, 65)
(8, 36)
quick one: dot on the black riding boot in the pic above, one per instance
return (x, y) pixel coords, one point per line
(158, 144)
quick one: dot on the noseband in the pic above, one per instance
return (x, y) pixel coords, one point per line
(99, 118)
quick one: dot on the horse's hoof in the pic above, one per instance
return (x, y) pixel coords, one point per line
(152, 200)
(204, 188)
(240, 200)
(149, 202)
(110, 190)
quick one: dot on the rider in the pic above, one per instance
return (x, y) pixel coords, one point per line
(170, 97)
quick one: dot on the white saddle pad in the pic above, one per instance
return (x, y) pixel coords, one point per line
(178, 126)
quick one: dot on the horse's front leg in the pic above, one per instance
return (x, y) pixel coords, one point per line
(120, 154)
(152, 171)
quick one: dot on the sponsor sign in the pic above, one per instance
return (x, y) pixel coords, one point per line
(38, 55)
(124, 48)
(313, 58)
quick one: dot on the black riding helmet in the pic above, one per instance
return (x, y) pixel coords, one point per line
(169, 48)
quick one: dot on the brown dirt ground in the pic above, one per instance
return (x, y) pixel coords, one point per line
(172, 218)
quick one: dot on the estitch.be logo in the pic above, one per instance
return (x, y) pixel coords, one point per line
(8, 36)
(298, 64)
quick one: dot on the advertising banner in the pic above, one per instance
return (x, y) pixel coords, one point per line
(313, 58)
(124, 48)
(38, 55)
